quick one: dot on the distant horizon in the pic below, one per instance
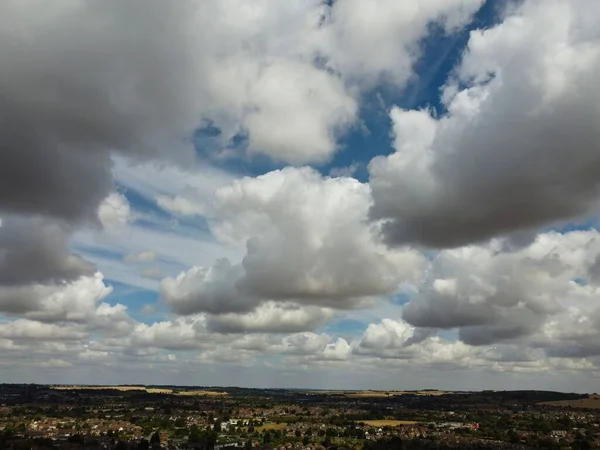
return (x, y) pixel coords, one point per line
(208, 387)
(323, 193)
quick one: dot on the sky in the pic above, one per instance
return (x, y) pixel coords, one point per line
(346, 194)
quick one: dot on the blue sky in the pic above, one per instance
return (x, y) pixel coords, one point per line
(283, 193)
(369, 137)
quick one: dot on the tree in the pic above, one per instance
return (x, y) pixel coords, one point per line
(267, 438)
(305, 441)
(155, 438)
(217, 427)
(298, 433)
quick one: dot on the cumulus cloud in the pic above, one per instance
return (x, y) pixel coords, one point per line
(379, 41)
(492, 295)
(23, 329)
(206, 290)
(518, 146)
(114, 212)
(88, 86)
(75, 301)
(272, 317)
(307, 239)
(34, 250)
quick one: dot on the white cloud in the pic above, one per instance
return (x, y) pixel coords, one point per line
(114, 212)
(272, 317)
(23, 329)
(496, 295)
(75, 301)
(518, 144)
(206, 290)
(307, 240)
(379, 40)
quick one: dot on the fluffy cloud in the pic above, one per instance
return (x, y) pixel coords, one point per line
(98, 81)
(206, 290)
(272, 317)
(33, 250)
(80, 94)
(307, 239)
(374, 41)
(542, 292)
(518, 146)
(75, 301)
(23, 329)
(114, 212)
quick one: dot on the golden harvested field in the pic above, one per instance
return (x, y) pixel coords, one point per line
(159, 391)
(365, 394)
(96, 388)
(390, 423)
(271, 426)
(592, 402)
(203, 393)
(199, 392)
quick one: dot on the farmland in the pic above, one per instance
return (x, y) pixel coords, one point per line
(375, 394)
(591, 402)
(389, 423)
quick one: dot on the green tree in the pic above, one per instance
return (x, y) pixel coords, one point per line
(217, 426)
(305, 441)
(155, 438)
(267, 438)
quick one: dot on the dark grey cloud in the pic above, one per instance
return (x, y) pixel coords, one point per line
(519, 146)
(78, 82)
(35, 250)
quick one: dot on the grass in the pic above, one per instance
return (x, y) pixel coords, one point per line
(271, 426)
(372, 394)
(113, 388)
(202, 393)
(592, 402)
(389, 423)
(143, 388)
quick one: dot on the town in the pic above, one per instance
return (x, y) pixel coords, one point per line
(209, 418)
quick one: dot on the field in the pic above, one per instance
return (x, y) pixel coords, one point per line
(115, 388)
(271, 426)
(592, 402)
(202, 393)
(199, 392)
(389, 423)
(374, 394)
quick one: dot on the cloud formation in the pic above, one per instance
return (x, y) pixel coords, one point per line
(307, 240)
(518, 146)
(457, 253)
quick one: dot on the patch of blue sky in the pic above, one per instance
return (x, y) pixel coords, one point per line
(449, 335)
(136, 299)
(440, 54)
(583, 224)
(141, 203)
(370, 136)
(233, 158)
(346, 327)
(98, 252)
